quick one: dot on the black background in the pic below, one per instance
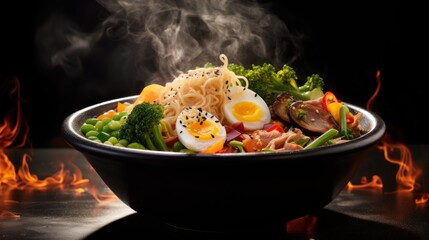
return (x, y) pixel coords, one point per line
(346, 44)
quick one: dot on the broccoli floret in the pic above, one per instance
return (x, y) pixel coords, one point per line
(313, 81)
(143, 126)
(237, 69)
(267, 82)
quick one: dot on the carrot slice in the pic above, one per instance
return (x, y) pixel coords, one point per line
(254, 144)
(108, 114)
(150, 93)
(121, 107)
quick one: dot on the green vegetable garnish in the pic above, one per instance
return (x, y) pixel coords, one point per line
(143, 126)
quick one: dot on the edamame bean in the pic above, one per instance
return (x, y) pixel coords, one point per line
(91, 121)
(123, 142)
(123, 119)
(91, 133)
(106, 129)
(86, 128)
(136, 145)
(115, 133)
(113, 140)
(106, 120)
(99, 126)
(118, 116)
(93, 138)
(114, 125)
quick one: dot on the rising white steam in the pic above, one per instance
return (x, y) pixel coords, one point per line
(160, 38)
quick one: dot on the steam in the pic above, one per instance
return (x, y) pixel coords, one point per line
(161, 38)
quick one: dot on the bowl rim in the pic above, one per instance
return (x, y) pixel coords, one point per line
(75, 139)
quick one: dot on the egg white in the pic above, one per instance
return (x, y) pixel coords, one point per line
(198, 130)
(247, 107)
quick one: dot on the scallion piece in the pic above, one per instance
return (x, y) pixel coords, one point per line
(328, 135)
(343, 124)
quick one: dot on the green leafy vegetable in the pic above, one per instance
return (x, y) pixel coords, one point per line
(143, 126)
(268, 82)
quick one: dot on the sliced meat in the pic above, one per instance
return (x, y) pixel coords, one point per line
(281, 106)
(311, 116)
(266, 136)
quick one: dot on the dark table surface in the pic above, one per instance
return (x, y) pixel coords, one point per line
(83, 207)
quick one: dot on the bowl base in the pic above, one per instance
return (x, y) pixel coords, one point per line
(272, 226)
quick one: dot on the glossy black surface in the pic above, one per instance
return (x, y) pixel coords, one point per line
(369, 213)
(225, 191)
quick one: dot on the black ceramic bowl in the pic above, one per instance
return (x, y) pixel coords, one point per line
(227, 191)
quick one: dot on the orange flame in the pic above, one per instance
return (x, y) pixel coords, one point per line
(407, 173)
(423, 199)
(396, 153)
(375, 183)
(23, 179)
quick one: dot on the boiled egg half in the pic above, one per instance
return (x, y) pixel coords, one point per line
(244, 105)
(200, 131)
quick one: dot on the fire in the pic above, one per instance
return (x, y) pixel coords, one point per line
(375, 183)
(423, 199)
(395, 153)
(407, 173)
(14, 134)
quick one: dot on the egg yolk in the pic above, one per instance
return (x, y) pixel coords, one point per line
(203, 130)
(247, 111)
